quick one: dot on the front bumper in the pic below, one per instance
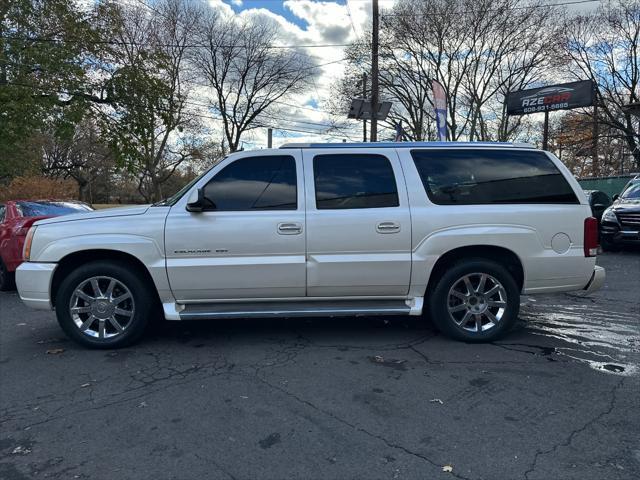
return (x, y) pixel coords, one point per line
(616, 233)
(623, 237)
(34, 284)
(596, 281)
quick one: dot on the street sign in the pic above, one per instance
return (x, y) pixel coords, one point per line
(361, 109)
(555, 97)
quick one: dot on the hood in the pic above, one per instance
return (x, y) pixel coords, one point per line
(106, 213)
(627, 205)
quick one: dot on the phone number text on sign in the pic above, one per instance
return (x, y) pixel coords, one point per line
(544, 108)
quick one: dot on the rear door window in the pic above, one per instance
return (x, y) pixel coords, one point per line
(354, 180)
(477, 177)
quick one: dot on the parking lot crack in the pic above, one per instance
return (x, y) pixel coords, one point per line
(577, 431)
(357, 428)
(208, 459)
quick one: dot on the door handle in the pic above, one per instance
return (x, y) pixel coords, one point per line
(289, 228)
(388, 227)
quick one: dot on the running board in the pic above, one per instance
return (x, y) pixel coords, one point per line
(207, 311)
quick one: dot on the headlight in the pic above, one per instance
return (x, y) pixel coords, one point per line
(609, 216)
(26, 252)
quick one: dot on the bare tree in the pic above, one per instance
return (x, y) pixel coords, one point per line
(605, 47)
(84, 157)
(149, 123)
(572, 139)
(477, 49)
(244, 70)
(510, 49)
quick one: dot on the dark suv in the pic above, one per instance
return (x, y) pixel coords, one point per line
(621, 221)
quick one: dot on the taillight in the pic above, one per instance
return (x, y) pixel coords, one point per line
(26, 252)
(590, 237)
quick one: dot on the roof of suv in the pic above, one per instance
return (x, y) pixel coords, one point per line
(407, 145)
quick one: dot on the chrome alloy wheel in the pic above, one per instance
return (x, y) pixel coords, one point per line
(102, 307)
(477, 302)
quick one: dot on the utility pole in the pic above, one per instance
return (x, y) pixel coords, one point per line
(374, 72)
(595, 165)
(269, 138)
(545, 132)
(364, 96)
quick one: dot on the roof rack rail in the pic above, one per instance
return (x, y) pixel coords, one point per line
(407, 145)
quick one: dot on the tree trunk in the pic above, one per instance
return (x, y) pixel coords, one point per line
(157, 189)
(632, 142)
(83, 189)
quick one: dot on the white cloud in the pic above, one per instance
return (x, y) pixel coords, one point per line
(237, 3)
(327, 22)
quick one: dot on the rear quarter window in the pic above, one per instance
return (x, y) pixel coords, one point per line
(480, 177)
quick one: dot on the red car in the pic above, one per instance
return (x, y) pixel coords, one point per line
(15, 219)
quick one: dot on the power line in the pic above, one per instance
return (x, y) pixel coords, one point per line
(209, 116)
(281, 129)
(170, 45)
(280, 102)
(158, 12)
(523, 7)
(353, 25)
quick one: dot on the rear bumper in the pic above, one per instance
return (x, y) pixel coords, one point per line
(596, 281)
(34, 284)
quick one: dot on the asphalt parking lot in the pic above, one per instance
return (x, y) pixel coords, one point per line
(340, 398)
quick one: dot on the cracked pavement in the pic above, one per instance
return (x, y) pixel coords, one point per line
(335, 398)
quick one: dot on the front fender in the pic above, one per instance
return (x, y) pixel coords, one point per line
(145, 249)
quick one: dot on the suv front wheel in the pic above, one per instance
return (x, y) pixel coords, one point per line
(104, 304)
(475, 300)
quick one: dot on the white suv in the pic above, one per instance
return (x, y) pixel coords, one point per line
(457, 229)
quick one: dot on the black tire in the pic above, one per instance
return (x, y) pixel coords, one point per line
(440, 302)
(143, 302)
(7, 279)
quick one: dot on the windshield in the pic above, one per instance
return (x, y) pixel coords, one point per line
(44, 209)
(170, 201)
(632, 192)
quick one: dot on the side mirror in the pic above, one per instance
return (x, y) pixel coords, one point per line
(616, 197)
(196, 201)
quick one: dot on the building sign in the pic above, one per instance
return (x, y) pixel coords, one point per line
(555, 97)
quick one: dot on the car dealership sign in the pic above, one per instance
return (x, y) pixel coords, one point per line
(554, 97)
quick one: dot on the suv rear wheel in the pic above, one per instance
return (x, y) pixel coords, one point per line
(475, 300)
(104, 304)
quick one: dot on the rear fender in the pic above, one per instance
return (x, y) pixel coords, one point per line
(519, 239)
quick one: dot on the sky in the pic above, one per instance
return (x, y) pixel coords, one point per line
(316, 22)
(310, 22)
